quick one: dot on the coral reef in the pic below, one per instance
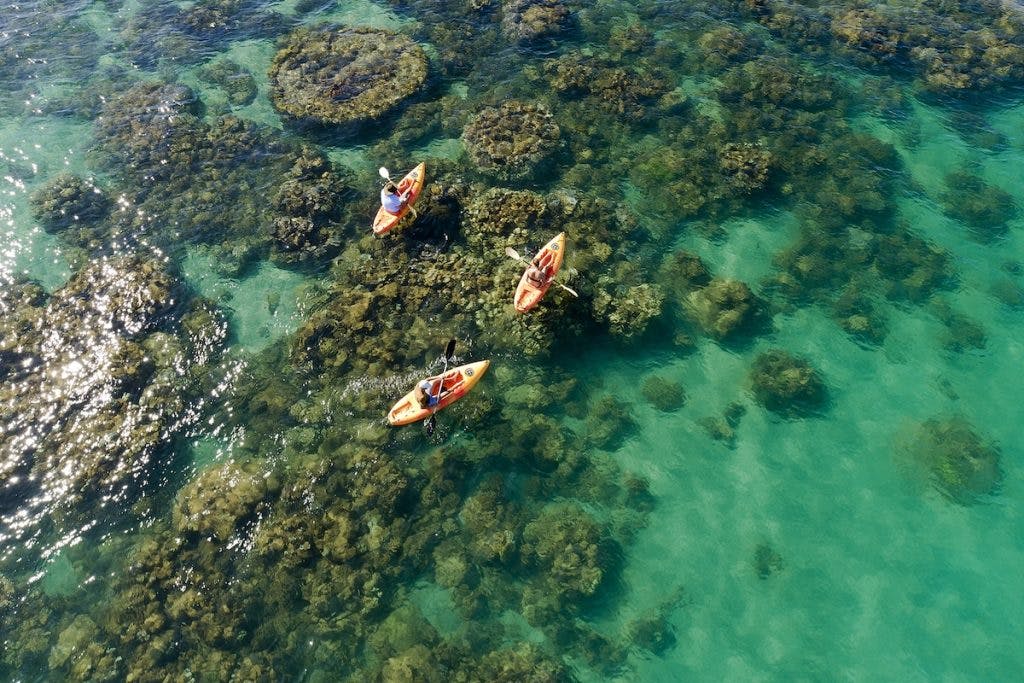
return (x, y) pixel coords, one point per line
(787, 385)
(525, 20)
(953, 49)
(322, 525)
(344, 75)
(664, 394)
(609, 423)
(725, 309)
(67, 200)
(105, 372)
(745, 165)
(218, 499)
(166, 31)
(985, 209)
(308, 202)
(653, 631)
(27, 55)
(961, 333)
(962, 465)
(724, 46)
(767, 561)
(206, 176)
(628, 310)
(723, 427)
(511, 140)
(565, 543)
(623, 90)
(236, 81)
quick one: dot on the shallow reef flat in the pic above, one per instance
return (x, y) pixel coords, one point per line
(798, 260)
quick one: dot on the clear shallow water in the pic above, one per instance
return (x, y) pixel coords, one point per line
(800, 547)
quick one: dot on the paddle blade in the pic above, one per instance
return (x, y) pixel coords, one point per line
(568, 289)
(383, 173)
(429, 425)
(513, 253)
(449, 350)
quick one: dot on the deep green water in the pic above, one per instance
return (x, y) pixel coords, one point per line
(818, 543)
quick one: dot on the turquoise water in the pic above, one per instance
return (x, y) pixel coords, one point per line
(199, 481)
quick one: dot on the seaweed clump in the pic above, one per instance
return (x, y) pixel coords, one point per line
(344, 75)
(962, 465)
(787, 385)
(511, 140)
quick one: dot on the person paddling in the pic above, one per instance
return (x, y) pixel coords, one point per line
(538, 277)
(426, 394)
(391, 199)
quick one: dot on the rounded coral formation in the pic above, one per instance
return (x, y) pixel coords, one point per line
(745, 165)
(565, 542)
(218, 500)
(66, 200)
(984, 208)
(509, 141)
(724, 308)
(524, 20)
(963, 466)
(664, 394)
(786, 384)
(344, 75)
(237, 82)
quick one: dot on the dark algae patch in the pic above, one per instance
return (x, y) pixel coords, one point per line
(740, 189)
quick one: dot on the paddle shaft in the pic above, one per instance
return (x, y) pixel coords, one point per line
(515, 254)
(449, 351)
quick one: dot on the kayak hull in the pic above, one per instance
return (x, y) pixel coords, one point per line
(457, 383)
(550, 258)
(385, 220)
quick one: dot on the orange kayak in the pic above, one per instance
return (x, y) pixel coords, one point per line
(386, 220)
(549, 260)
(456, 384)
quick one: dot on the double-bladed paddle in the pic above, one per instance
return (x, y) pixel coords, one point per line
(449, 351)
(515, 254)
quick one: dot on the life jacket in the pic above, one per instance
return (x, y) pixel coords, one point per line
(392, 203)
